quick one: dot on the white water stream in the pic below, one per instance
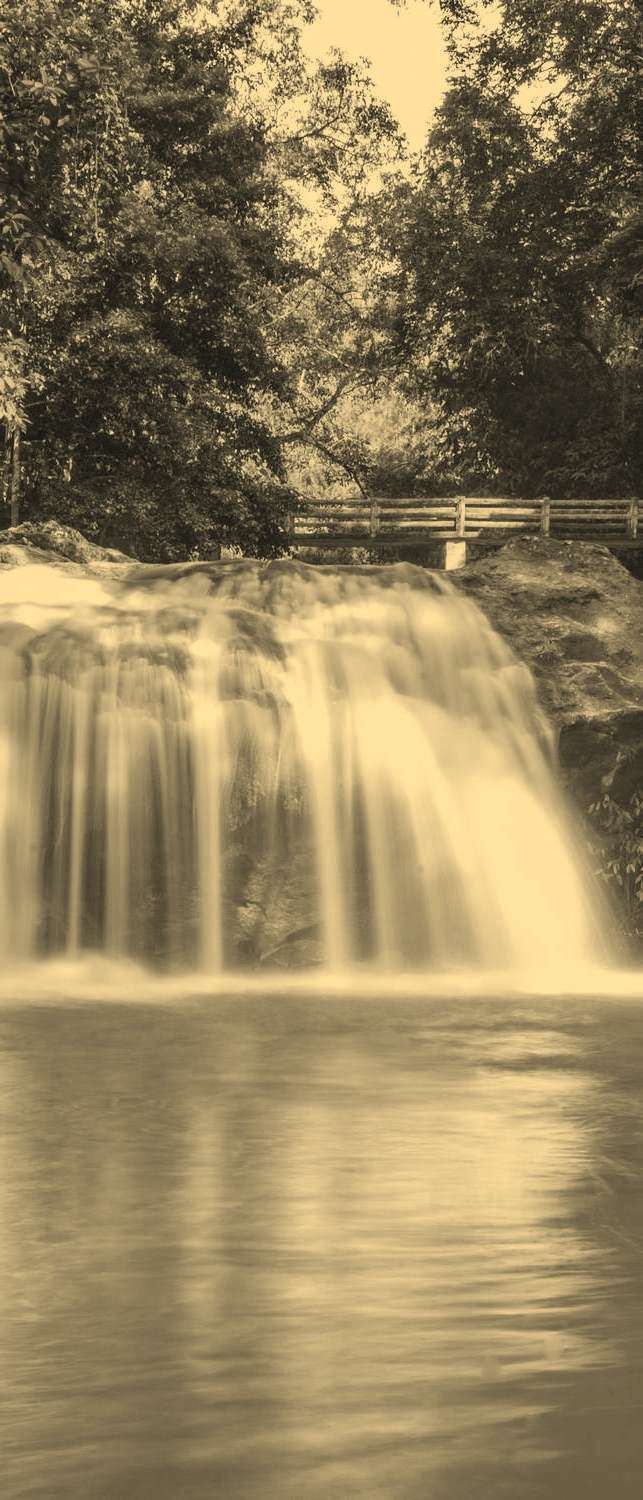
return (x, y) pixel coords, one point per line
(204, 765)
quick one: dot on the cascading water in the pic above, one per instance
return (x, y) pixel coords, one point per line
(210, 766)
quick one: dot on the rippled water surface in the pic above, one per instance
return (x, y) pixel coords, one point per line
(310, 1249)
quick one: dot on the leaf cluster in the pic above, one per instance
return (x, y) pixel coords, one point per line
(151, 259)
(516, 302)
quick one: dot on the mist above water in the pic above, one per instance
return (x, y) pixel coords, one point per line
(210, 767)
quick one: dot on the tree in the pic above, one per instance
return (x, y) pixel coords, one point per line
(142, 242)
(333, 144)
(518, 296)
(183, 195)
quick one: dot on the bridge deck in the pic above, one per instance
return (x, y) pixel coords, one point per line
(422, 538)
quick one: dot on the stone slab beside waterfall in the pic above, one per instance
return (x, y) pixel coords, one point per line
(570, 610)
(575, 615)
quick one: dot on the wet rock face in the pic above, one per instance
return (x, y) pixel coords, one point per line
(575, 615)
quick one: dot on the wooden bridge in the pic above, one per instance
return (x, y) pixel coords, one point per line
(412, 523)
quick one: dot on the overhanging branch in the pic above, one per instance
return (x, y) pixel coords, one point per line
(303, 434)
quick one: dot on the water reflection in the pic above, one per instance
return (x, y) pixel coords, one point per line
(315, 1249)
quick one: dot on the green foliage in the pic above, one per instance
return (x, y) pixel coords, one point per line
(153, 152)
(218, 286)
(14, 382)
(517, 295)
(139, 245)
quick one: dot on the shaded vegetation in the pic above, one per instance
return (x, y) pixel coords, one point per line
(616, 841)
(224, 281)
(518, 284)
(154, 155)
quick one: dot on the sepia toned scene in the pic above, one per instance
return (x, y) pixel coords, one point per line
(321, 750)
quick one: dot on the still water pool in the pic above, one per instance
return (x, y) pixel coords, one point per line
(315, 1249)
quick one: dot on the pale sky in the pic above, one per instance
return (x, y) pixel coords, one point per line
(404, 48)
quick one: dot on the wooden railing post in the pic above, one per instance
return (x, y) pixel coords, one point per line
(415, 522)
(460, 516)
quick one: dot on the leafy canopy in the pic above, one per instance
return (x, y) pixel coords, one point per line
(156, 159)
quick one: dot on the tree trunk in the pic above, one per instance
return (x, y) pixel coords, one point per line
(15, 478)
(6, 468)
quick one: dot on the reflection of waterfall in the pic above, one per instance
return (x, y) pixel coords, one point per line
(290, 1251)
(202, 763)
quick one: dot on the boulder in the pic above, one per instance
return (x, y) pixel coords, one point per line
(49, 541)
(575, 615)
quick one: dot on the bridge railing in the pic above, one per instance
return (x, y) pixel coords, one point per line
(414, 522)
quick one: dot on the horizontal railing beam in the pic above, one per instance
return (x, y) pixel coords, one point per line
(415, 521)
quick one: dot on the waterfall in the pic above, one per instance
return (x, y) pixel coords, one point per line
(210, 766)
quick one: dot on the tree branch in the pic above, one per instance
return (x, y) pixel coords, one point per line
(335, 291)
(316, 132)
(599, 359)
(341, 463)
(302, 434)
